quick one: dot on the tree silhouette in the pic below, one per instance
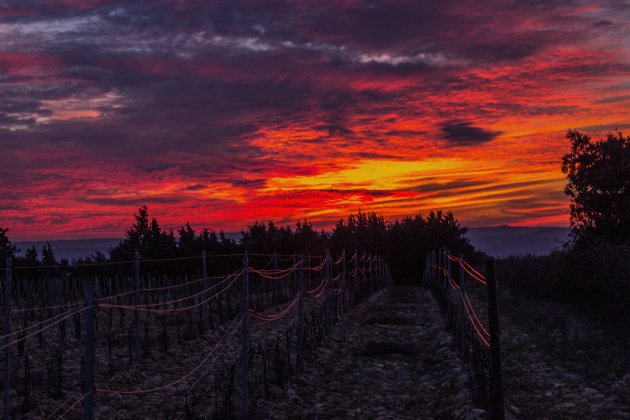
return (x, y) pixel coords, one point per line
(147, 237)
(7, 249)
(598, 175)
(30, 256)
(48, 256)
(403, 242)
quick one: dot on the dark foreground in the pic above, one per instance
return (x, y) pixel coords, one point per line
(389, 358)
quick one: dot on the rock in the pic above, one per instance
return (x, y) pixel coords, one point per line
(565, 406)
(590, 392)
(477, 413)
(515, 409)
(291, 394)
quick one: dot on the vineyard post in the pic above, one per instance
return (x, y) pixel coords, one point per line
(462, 314)
(205, 322)
(440, 274)
(7, 338)
(244, 340)
(427, 281)
(88, 384)
(373, 271)
(300, 323)
(437, 272)
(135, 331)
(294, 275)
(344, 280)
(433, 269)
(327, 277)
(496, 386)
(370, 277)
(445, 272)
(356, 274)
(381, 270)
(364, 277)
(438, 269)
(275, 269)
(449, 270)
(427, 270)
(308, 273)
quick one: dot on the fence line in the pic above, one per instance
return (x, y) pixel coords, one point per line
(479, 345)
(97, 308)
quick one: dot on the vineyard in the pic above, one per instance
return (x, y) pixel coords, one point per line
(281, 335)
(197, 336)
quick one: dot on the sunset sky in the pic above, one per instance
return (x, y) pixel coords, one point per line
(222, 113)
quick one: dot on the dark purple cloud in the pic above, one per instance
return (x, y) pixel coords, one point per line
(196, 92)
(463, 133)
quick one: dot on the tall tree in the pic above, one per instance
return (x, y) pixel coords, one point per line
(147, 237)
(598, 174)
(7, 249)
(30, 256)
(48, 256)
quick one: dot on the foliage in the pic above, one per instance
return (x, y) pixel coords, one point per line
(7, 249)
(598, 175)
(268, 237)
(48, 256)
(145, 237)
(403, 242)
(597, 278)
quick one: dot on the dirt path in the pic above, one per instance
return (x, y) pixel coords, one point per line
(389, 358)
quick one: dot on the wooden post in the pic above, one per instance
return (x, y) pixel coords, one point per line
(433, 269)
(135, 329)
(294, 277)
(277, 285)
(356, 276)
(7, 340)
(88, 357)
(205, 319)
(308, 272)
(344, 280)
(445, 283)
(364, 281)
(369, 270)
(300, 322)
(328, 277)
(448, 268)
(244, 341)
(462, 310)
(496, 385)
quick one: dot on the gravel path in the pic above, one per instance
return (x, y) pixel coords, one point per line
(389, 358)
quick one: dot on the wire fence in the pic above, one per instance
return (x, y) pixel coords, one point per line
(457, 287)
(76, 341)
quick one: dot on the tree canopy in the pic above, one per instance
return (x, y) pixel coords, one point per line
(404, 243)
(7, 249)
(598, 174)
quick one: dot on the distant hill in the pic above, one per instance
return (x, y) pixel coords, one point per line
(499, 241)
(503, 241)
(72, 248)
(77, 248)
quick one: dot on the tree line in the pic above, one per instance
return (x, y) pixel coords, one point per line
(402, 242)
(592, 269)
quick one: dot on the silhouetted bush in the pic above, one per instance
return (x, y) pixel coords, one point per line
(597, 278)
